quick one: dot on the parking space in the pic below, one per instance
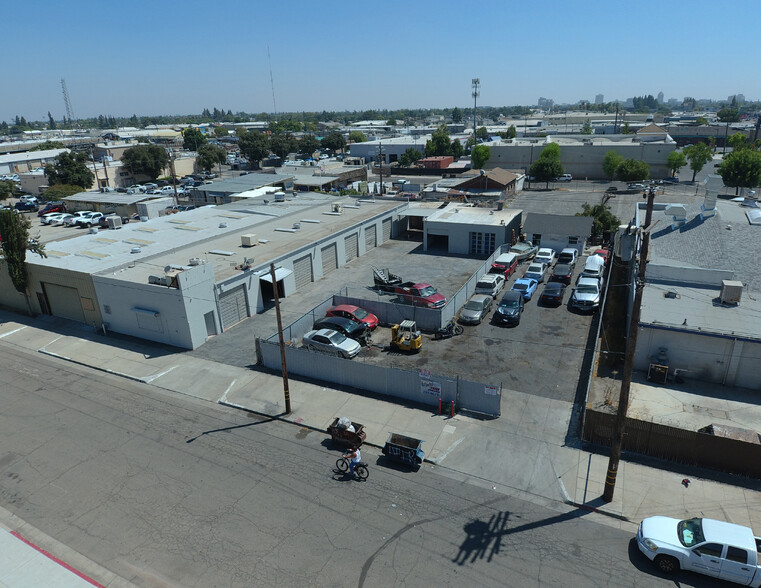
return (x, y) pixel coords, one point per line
(541, 356)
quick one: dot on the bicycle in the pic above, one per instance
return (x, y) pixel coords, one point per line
(360, 470)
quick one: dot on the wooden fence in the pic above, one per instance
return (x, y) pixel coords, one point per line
(679, 445)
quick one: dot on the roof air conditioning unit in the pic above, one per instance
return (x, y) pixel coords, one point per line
(249, 240)
(279, 196)
(194, 261)
(731, 291)
(296, 226)
(155, 279)
(114, 222)
(338, 208)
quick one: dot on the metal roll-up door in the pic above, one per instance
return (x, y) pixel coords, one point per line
(302, 271)
(386, 230)
(329, 259)
(232, 306)
(64, 302)
(370, 237)
(351, 246)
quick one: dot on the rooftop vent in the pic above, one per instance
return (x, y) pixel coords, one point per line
(731, 292)
(678, 214)
(135, 250)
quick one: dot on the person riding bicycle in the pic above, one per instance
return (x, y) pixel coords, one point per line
(354, 458)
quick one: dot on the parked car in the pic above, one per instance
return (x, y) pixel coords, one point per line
(564, 178)
(636, 186)
(72, 220)
(505, 264)
(150, 186)
(524, 250)
(546, 256)
(509, 308)
(586, 295)
(526, 286)
(50, 217)
(56, 221)
(333, 342)
(716, 548)
(604, 253)
(87, 220)
(184, 207)
(52, 207)
(24, 206)
(563, 272)
(354, 313)
(345, 326)
(476, 309)
(568, 255)
(594, 267)
(490, 284)
(536, 271)
(673, 180)
(553, 293)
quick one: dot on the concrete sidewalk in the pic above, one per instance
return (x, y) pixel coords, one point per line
(523, 453)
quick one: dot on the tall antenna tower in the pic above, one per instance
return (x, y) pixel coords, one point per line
(476, 84)
(67, 101)
(272, 83)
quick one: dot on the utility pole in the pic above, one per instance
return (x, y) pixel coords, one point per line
(476, 83)
(286, 391)
(631, 344)
(381, 161)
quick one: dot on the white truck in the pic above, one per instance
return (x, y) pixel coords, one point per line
(706, 546)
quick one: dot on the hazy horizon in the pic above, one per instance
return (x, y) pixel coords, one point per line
(177, 58)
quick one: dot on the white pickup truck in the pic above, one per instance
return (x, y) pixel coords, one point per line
(714, 548)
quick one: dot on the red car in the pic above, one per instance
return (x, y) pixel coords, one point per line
(355, 313)
(604, 253)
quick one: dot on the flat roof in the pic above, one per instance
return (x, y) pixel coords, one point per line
(698, 310)
(209, 233)
(244, 183)
(109, 197)
(473, 215)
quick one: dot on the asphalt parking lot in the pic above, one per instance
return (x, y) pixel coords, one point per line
(541, 356)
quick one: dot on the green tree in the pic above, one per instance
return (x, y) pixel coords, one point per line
(282, 144)
(51, 122)
(511, 132)
(45, 146)
(610, 163)
(192, 139)
(482, 133)
(70, 168)
(409, 157)
(357, 137)
(604, 219)
(58, 191)
(675, 161)
(480, 155)
(586, 129)
(457, 149)
(739, 141)
(308, 145)
(626, 130)
(220, 132)
(255, 146)
(439, 143)
(211, 155)
(701, 120)
(334, 141)
(547, 167)
(15, 231)
(632, 170)
(391, 122)
(728, 115)
(456, 115)
(7, 187)
(741, 169)
(148, 160)
(698, 155)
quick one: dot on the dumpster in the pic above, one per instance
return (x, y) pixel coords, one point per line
(343, 434)
(404, 450)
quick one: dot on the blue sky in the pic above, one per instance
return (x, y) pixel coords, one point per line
(177, 57)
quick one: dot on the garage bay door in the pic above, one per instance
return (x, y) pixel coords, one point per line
(329, 259)
(232, 306)
(386, 230)
(64, 302)
(351, 246)
(370, 237)
(302, 271)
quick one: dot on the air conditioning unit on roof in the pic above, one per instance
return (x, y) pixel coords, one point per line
(731, 291)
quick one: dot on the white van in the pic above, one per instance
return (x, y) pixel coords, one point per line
(594, 267)
(490, 284)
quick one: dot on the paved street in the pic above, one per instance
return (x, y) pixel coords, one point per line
(163, 489)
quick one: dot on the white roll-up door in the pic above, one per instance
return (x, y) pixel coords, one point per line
(387, 230)
(302, 271)
(351, 246)
(64, 302)
(370, 237)
(232, 306)
(329, 259)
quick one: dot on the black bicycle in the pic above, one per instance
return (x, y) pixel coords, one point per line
(360, 470)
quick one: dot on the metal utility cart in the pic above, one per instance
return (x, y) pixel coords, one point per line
(404, 450)
(385, 280)
(345, 436)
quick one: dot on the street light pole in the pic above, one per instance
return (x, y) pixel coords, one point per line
(286, 390)
(631, 344)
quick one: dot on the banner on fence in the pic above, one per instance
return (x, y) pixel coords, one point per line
(491, 390)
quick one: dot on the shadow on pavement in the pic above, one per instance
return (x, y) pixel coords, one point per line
(225, 429)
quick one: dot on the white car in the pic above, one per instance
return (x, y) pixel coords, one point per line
(333, 342)
(546, 256)
(51, 217)
(536, 271)
(72, 220)
(490, 284)
(57, 221)
(564, 178)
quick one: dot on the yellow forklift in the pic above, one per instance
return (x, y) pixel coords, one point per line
(406, 337)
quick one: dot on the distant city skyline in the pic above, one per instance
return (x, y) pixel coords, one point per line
(171, 57)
